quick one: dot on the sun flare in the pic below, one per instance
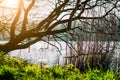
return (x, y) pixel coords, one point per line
(10, 3)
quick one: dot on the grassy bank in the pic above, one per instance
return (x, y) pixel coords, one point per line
(15, 69)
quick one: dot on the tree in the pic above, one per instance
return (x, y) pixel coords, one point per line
(64, 12)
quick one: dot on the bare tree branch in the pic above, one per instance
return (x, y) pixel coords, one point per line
(65, 12)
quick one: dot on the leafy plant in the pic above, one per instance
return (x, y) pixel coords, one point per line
(16, 69)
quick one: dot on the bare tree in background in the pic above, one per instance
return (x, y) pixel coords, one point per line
(23, 32)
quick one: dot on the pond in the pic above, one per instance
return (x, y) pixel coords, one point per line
(44, 52)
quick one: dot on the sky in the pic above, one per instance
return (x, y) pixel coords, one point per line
(9, 3)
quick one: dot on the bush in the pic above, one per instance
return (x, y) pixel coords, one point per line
(16, 69)
(7, 73)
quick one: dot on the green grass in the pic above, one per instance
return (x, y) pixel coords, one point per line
(15, 69)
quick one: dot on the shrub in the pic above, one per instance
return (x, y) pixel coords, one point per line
(7, 73)
(16, 69)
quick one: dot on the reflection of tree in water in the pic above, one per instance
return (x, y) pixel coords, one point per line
(95, 45)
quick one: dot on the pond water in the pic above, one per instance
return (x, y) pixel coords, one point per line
(44, 52)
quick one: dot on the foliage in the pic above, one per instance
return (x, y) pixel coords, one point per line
(16, 69)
